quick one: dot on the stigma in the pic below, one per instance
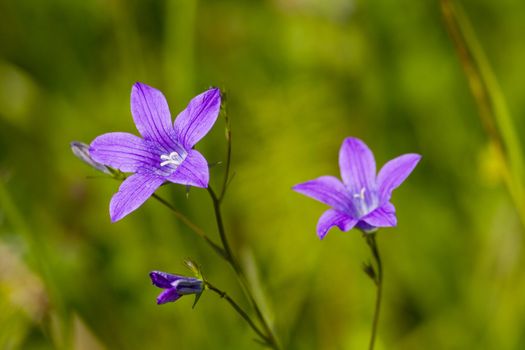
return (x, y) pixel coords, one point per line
(172, 158)
(361, 194)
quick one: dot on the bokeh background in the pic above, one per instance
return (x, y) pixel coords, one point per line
(300, 76)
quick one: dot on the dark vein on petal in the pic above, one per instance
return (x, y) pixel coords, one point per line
(158, 134)
(115, 153)
(203, 106)
(195, 113)
(189, 170)
(139, 187)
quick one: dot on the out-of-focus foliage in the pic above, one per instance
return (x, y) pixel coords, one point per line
(300, 76)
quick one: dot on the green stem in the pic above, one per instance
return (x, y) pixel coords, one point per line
(220, 226)
(378, 279)
(196, 229)
(238, 270)
(239, 310)
(228, 161)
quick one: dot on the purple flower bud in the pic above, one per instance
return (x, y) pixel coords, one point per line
(81, 151)
(188, 286)
(175, 286)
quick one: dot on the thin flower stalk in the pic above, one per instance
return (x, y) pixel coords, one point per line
(196, 229)
(378, 280)
(240, 311)
(228, 135)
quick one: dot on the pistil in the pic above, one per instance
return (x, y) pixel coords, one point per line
(172, 158)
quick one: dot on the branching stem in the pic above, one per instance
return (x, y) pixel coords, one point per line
(239, 310)
(272, 342)
(196, 229)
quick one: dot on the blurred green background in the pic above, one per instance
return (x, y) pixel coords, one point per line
(300, 75)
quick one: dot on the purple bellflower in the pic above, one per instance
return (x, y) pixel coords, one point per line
(165, 151)
(362, 199)
(175, 286)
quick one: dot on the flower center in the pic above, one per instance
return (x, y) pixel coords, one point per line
(173, 158)
(361, 194)
(363, 204)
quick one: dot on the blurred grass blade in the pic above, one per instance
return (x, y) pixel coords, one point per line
(180, 46)
(39, 262)
(490, 101)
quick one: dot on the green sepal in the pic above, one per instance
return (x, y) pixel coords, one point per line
(197, 297)
(369, 271)
(117, 174)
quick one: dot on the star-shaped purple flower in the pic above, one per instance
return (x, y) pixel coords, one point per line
(362, 199)
(175, 286)
(165, 151)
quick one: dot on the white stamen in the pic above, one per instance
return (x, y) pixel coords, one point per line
(173, 158)
(360, 195)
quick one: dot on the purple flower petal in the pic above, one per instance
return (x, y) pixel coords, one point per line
(197, 119)
(384, 216)
(393, 173)
(163, 279)
(132, 193)
(328, 190)
(167, 296)
(332, 218)
(121, 150)
(193, 171)
(151, 114)
(357, 165)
